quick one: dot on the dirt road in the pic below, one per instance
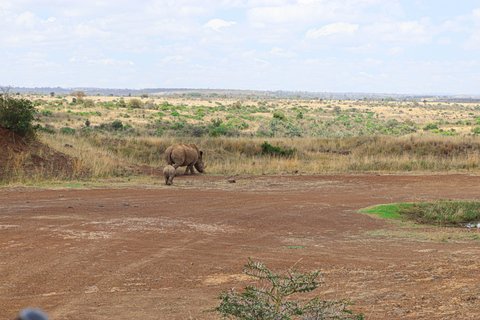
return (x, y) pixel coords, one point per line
(158, 252)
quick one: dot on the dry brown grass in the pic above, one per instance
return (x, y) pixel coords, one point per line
(420, 153)
(108, 154)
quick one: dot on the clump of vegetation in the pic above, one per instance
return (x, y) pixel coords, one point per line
(439, 213)
(272, 301)
(267, 148)
(67, 130)
(444, 213)
(430, 126)
(135, 103)
(280, 116)
(17, 114)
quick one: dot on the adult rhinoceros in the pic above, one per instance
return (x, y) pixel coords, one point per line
(181, 155)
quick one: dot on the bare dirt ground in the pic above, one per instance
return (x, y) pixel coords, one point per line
(158, 252)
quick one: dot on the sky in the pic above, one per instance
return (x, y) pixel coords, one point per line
(374, 46)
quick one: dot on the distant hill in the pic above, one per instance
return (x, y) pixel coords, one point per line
(243, 93)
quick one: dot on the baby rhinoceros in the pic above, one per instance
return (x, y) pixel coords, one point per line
(169, 174)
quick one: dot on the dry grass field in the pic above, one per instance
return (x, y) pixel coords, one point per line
(107, 134)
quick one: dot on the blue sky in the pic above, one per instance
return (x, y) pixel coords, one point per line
(377, 46)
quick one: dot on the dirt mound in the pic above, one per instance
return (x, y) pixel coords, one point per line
(19, 157)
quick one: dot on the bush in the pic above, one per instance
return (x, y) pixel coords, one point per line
(17, 115)
(135, 104)
(88, 103)
(270, 302)
(430, 126)
(276, 151)
(279, 115)
(67, 131)
(47, 113)
(117, 125)
(46, 129)
(121, 104)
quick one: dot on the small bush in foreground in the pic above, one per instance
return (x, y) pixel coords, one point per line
(270, 302)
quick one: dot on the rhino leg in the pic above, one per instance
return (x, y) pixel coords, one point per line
(176, 167)
(189, 168)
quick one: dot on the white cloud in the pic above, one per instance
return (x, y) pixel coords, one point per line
(333, 28)
(395, 51)
(281, 53)
(366, 74)
(372, 62)
(473, 42)
(175, 59)
(90, 31)
(364, 49)
(401, 32)
(443, 41)
(216, 24)
(104, 62)
(26, 19)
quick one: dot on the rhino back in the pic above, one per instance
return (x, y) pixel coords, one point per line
(182, 154)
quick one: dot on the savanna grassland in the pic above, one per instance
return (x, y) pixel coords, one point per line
(109, 240)
(109, 133)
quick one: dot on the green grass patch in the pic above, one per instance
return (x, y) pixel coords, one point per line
(388, 211)
(440, 213)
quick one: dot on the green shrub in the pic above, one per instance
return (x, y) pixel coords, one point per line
(47, 113)
(17, 115)
(177, 126)
(272, 302)
(430, 126)
(117, 125)
(67, 131)
(280, 116)
(109, 104)
(276, 151)
(46, 129)
(121, 104)
(135, 104)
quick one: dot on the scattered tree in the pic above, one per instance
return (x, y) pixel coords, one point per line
(78, 94)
